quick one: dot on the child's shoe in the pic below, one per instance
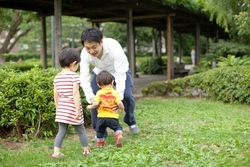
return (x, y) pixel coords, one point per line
(86, 152)
(119, 140)
(100, 143)
(61, 155)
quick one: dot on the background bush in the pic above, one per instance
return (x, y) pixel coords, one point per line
(24, 56)
(226, 84)
(26, 103)
(25, 65)
(224, 49)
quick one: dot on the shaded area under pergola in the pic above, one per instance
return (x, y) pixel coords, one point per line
(134, 13)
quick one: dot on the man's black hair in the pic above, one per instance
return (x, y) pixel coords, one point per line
(92, 34)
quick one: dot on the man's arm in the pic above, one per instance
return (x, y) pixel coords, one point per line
(121, 67)
(85, 77)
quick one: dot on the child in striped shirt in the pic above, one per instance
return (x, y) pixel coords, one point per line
(68, 102)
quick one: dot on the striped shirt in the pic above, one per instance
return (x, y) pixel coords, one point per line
(66, 110)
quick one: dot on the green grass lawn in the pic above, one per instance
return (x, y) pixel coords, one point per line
(174, 132)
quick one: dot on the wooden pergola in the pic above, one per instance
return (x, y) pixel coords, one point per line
(135, 13)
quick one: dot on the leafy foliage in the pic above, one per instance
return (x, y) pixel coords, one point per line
(5, 18)
(232, 15)
(117, 31)
(27, 103)
(224, 53)
(72, 28)
(13, 29)
(223, 49)
(151, 66)
(222, 10)
(24, 65)
(10, 57)
(226, 84)
(192, 5)
(232, 61)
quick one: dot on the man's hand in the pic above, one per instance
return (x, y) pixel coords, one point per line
(89, 107)
(92, 100)
(121, 110)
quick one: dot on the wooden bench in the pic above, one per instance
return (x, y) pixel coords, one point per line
(179, 70)
(181, 73)
(164, 69)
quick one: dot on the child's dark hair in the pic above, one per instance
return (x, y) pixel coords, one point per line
(92, 34)
(104, 78)
(68, 56)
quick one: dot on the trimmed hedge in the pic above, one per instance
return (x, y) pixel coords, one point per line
(227, 84)
(24, 56)
(26, 103)
(25, 65)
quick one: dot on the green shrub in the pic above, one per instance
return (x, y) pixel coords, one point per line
(25, 65)
(27, 104)
(223, 49)
(24, 56)
(157, 88)
(227, 84)
(229, 53)
(151, 66)
(232, 61)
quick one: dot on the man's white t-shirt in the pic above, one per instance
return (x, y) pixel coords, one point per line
(113, 60)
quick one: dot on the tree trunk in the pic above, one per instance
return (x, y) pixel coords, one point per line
(155, 42)
(12, 31)
(19, 130)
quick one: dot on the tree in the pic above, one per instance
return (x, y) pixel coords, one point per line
(233, 15)
(72, 28)
(118, 31)
(11, 24)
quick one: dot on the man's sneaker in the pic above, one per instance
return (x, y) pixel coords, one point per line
(119, 140)
(100, 143)
(94, 139)
(134, 129)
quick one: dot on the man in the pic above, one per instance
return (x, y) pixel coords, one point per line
(106, 54)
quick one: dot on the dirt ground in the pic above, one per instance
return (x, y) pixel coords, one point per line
(12, 145)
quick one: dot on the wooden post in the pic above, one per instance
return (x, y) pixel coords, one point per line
(130, 41)
(197, 44)
(180, 48)
(52, 42)
(58, 30)
(44, 43)
(170, 67)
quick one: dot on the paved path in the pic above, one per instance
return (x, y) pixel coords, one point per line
(143, 80)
